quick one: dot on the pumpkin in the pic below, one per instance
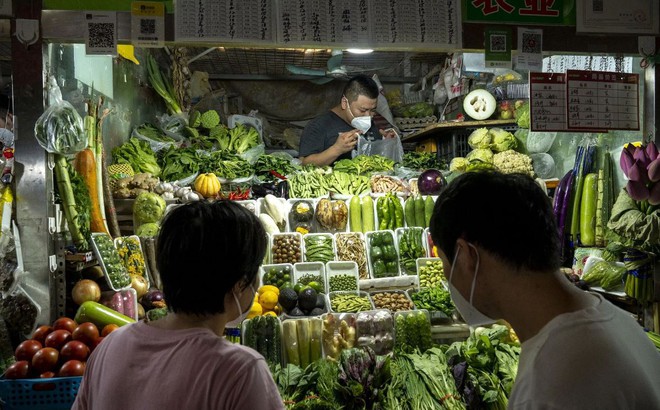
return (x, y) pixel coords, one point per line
(207, 185)
(479, 104)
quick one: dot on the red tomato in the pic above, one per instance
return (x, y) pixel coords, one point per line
(65, 323)
(72, 368)
(74, 350)
(87, 333)
(107, 329)
(41, 333)
(27, 349)
(18, 370)
(96, 343)
(45, 360)
(47, 375)
(57, 339)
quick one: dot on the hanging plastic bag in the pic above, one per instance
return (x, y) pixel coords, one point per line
(387, 147)
(60, 129)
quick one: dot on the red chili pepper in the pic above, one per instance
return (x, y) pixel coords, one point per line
(278, 175)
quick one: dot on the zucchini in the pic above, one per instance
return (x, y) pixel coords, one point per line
(429, 204)
(290, 339)
(303, 332)
(419, 212)
(588, 210)
(355, 211)
(100, 315)
(367, 214)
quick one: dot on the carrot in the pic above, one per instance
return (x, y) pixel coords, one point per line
(85, 165)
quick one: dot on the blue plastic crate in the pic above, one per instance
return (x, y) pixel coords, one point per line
(44, 394)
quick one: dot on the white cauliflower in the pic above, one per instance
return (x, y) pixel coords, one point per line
(511, 162)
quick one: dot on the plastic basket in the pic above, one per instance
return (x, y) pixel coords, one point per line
(45, 394)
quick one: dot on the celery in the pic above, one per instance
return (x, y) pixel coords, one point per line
(162, 86)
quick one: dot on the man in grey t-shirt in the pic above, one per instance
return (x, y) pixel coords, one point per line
(333, 135)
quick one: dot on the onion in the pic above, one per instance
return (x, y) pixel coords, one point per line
(431, 182)
(85, 290)
(151, 297)
(140, 284)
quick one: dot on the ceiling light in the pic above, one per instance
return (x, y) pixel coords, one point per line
(359, 50)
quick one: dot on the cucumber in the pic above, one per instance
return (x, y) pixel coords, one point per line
(355, 212)
(100, 315)
(588, 210)
(429, 204)
(409, 212)
(368, 223)
(419, 211)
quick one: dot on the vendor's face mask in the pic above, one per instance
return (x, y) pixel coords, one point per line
(362, 123)
(236, 322)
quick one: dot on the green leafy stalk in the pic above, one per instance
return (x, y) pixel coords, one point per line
(162, 86)
(67, 197)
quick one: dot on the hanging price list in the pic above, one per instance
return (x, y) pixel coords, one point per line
(547, 101)
(602, 100)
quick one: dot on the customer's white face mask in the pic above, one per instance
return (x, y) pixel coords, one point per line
(236, 322)
(362, 123)
(472, 316)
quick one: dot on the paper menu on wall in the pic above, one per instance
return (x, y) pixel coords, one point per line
(547, 101)
(602, 100)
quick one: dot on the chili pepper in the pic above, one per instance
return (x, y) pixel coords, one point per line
(398, 208)
(392, 210)
(382, 209)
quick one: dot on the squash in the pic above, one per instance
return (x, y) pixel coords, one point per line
(85, 165)
(207, 185)
(479, 104)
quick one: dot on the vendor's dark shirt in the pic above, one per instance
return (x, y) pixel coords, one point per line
(322, 132)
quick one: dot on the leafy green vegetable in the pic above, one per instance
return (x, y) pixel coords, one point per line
(148, 207)
(479, 138)
(162, 85)
(346, 184)
(60, 130)
(502, 140)
(364, 165)
(267, 163)
(83, 205)
(178, 163)
(138, 155)
(522, 116)
(422, 160)
(433, 299)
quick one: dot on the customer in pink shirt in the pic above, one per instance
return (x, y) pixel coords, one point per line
(208, 255)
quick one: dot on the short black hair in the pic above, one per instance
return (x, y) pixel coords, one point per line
(509, 215)
(203, 250)
(360, 85)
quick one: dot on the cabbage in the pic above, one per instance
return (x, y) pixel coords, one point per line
(522, 115)
(148, 230)
(148, 207)
(481, 154)
(458, 164)
(502, 140)
(480, 138)
(540, 141)
(544, 165)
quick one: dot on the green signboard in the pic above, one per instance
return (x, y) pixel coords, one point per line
(532, 12)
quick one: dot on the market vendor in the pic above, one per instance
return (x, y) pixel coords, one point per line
(333, 135)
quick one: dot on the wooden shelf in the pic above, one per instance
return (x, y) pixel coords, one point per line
(439, 127)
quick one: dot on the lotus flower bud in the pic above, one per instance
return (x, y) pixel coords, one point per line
(653, 170)
(630, 148)
(640, 155)
(654, 194)
(651, 151)
(638, 173)
(637, 190)
(626, 161)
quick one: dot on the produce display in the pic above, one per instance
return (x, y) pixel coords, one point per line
(375, 329)
(130, 252)
(110, 261)
(361, 211)
(390, 212)
(207, 185)
(138, 155)
(351, 247)
(338, 334)
(276, 210)
(265, 302)
(431, 182)
(271, 168)
(316, 282)
(418, 211)
(411, 247)
(346, 184)
(393, 301)
(301, 217)
(364, 165)
(264, 335)
(302, 339)
(421, 160)
(277, 276)
(319, 248)
(381, 184)
(413, 331)
(479, 104)
(607, 275)
(351, 302)
(431, 274)
(435, 299)
(302, 300)
(131, 187)
(308, 183)
(332, 216)
(101, 315)
(342, 282)
(287, 248)
(383, 257)
(123, 301)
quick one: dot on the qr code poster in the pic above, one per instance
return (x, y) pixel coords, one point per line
(101, 33)
(498, 48)
(530, 49)
(147, 24)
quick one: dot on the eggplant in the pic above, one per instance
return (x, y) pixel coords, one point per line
(261, 190)
(282, 189)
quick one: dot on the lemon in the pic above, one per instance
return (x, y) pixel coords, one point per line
(270, 313)
(255, 310)
(267, 288)
(268, 299)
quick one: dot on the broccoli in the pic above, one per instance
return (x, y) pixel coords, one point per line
(210, 119)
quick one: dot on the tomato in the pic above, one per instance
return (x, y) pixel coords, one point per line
(27, 349)
(74, 350)
(47, 375)
(87, 333)
(72, 368)
(18, 370)
(96, 343)
(45, 360)
(57, 339)
(65, 323)
(41, 333)
(107, 329)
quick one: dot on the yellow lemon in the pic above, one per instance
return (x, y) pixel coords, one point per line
(269, 288)
(255, 310)
(268, 299)
(270, 313)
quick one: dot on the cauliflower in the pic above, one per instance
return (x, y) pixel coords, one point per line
(480, 138)
(512, 162)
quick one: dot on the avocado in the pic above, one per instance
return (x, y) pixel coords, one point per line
(316, 312)
(296, 312)
(288, 298)
(307, 299)
(320, 301)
